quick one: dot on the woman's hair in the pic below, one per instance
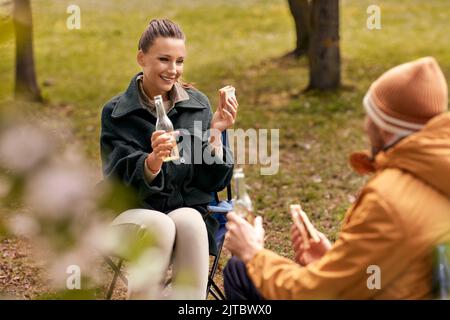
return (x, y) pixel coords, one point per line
(163, 28)
(159, 28)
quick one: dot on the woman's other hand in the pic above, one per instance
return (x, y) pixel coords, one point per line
(226, 112)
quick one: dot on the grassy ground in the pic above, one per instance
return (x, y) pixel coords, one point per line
(239, 43)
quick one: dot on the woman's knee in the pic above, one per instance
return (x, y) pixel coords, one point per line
(156, 223)
(188, 219)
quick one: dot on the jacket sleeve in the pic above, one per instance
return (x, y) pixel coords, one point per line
(371, 238)
(216, 170)
(124, 162)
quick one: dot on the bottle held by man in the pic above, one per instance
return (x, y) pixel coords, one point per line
(163, 123)
(441, 272)
(242, 204)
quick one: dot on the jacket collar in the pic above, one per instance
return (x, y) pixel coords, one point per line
(176, 94)
(129, 101)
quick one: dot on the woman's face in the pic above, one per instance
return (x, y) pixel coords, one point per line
(162, 64)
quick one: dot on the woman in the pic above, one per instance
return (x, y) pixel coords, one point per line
(173, 195)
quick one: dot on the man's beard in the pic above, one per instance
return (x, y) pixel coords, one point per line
(374, 152)
(377, 149)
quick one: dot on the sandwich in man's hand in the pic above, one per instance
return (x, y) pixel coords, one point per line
(304, 225)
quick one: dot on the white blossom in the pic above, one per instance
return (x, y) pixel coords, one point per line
(23, 225)
(23, 147)
(5, 186)
(60, 191)
(145, 275)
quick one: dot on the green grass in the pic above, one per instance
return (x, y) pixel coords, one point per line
(239, 42)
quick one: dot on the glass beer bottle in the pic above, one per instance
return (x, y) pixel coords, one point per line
(441, 272)
(163, 123)
(242, 203)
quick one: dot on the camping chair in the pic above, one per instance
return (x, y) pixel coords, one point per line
(218, 209)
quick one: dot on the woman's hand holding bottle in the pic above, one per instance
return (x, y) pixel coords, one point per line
(162, 144)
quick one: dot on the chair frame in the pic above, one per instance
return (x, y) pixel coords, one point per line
(213, 288)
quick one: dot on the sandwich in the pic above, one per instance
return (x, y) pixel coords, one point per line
(304, 225)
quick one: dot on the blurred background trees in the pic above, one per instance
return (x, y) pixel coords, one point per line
(26, 86)
(300, 10)
(317, 34)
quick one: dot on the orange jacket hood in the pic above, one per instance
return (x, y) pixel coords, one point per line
(425, 154)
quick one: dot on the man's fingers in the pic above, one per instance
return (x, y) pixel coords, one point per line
(304, 235)
(295, 236)
(233, 217)
(294, 230)
(230, 226)
(322, 236)
(298, 244)
(236, 222)
(301, 260)
(258, 223)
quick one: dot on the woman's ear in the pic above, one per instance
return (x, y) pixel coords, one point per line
(140, 58)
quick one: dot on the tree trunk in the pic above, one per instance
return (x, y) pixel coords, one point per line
(324, 55)
(300, 10)
(26, 85)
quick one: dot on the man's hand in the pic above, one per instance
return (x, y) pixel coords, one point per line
(305, 255)
(242, 239)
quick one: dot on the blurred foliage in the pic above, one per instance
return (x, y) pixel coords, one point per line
(48, 196)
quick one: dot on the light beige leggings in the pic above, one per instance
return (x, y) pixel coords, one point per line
(183, 239)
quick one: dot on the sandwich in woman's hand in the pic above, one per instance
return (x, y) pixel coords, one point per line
(229, 92)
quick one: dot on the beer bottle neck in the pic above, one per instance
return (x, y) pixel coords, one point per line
(160, 110)
(240, 187)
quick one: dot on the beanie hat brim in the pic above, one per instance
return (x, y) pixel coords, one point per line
(387, 122)
(404, 98)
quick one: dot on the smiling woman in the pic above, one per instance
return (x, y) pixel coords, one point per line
(161, 55)
(173, 194)
(162, 65)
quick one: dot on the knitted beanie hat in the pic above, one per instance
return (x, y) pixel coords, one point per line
(405, 97)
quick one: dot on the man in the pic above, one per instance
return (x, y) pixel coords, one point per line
(385, 247)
